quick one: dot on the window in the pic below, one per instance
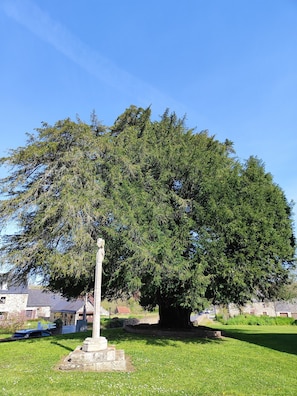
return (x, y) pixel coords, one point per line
(2, 300)
(284, 314)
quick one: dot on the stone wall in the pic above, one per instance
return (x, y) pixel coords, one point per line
(256, 308)
(13, 303)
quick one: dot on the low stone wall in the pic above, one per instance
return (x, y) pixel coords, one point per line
(199, 332)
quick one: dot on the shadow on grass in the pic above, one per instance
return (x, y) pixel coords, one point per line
(282, 342)
(117, 335)
(166, 341)
(61, 345)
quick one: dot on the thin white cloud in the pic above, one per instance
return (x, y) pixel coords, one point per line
(36, 20)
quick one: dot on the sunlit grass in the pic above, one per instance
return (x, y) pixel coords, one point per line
(254, 361)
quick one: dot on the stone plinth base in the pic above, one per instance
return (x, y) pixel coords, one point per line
(108, 359)
(94, 344)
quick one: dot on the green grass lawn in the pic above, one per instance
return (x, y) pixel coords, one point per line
(250, 360)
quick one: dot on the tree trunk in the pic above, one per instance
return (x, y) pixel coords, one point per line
(174, 317)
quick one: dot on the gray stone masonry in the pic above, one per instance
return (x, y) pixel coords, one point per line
(108, 359)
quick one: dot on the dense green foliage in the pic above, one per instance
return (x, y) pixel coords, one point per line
(253, 320)
(184, 221)
(251, 361)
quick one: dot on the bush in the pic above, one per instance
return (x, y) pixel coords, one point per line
(59, 323)
(12, 322)
(285, 321)
(257, 320)
(114, 323)
(220, 318)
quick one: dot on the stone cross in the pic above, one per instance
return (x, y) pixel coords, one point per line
(95, 354)
(97, 289)
(96, 343)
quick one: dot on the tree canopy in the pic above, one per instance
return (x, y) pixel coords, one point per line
(185, 222)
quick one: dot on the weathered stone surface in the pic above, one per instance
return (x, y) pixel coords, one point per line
(108, 359)
(94, 344)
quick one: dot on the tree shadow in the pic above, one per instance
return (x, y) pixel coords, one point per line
(117, 335)
(80, 336)
(158, 339)
(172, 341)
(282, 342)
(61, 345)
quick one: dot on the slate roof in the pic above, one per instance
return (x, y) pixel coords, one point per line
(71, 306)
(15, 290)
(75, 305)
(57, 303)
(42, 298)
(8, 285)
(285, 306)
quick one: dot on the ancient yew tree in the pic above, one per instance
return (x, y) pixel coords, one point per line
(185, 222)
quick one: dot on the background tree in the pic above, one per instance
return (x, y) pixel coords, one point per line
(185, 222)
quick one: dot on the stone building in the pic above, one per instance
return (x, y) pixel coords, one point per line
(269, 308)
(13, 299)
(35, 303)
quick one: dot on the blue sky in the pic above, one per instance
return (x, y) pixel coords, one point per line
(229, 65)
